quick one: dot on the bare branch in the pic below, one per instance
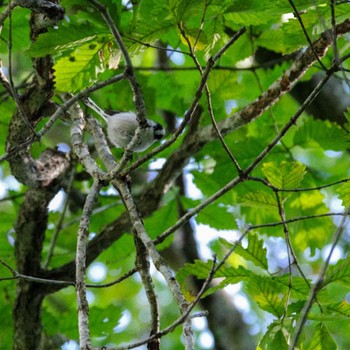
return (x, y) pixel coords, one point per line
(191, 110)
(297, 15)
(246, 171)
(80, 284)
(129, 72)
(60, 222)
(319, 282)
(280, 87)
(59, 112)
(208, 95)
(143, 268)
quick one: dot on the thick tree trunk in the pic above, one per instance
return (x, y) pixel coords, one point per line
(42, 176)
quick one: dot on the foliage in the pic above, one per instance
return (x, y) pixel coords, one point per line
(296, 193)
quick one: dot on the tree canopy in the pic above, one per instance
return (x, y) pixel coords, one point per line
(229, 233)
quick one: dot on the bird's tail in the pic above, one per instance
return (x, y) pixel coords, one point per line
(91, 104)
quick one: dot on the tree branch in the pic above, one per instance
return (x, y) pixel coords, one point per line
(80, 284)
(319, 282)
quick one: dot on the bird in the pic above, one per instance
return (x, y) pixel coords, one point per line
(122, 126)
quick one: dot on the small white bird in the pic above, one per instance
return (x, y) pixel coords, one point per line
(121, 127)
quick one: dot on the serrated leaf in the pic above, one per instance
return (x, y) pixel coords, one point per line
(234, 273)
(217, 216)
(344, 193)
(255, 252)
(66, 38)
(322, 339)
(279, 342)
(312, 234)
(254, 12)
(341, 309)
(199, 268)
(160, 220)
(323, 134)
(340, 272)
(286, 175)
(310, 200)
(152, 19)
(202, 270)
(102, 321)
(259, 199)
(269, 295)
(232, 276)
(79, 69)
(299, 288)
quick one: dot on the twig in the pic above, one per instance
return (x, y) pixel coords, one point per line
(11, 84)
(6, 12)
(167, 49)
(158, 261)
(337, 60)
(208, 95)
(200, 29)
(189, 113)
(297, 15)
(80, 148)
(120, 279)
(144, 244)
(318, 284)
(82, 152)
(143, 268)
(181, 319)
(300, 218)
(16, 275)
(60, 111)
(334, 33)
(250, 168)
(80, 284)
(279, 88)
(266, 183)
(157, 241)
(60, 222)
(129, 72)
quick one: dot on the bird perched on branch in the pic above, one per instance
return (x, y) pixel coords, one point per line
(122, 126)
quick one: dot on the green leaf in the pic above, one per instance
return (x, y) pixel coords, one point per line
(340, 310)
(217, 216)
(268, 337)
(279, 341)
(268, 294)
(102, 321)
(255, 252)
(199, 269)
(202, 270)
(160, 220)
(322, 339)
(255, 12)
(5, 319)
(299, 288)
(235, 274)
(310, 233)
(232, 275)
(317, 133)
(66, 38)
(340, 272)
(152, 19)
(79, 69)
(260, 199)
(19, 31)
(344, 193)
(286, 175)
